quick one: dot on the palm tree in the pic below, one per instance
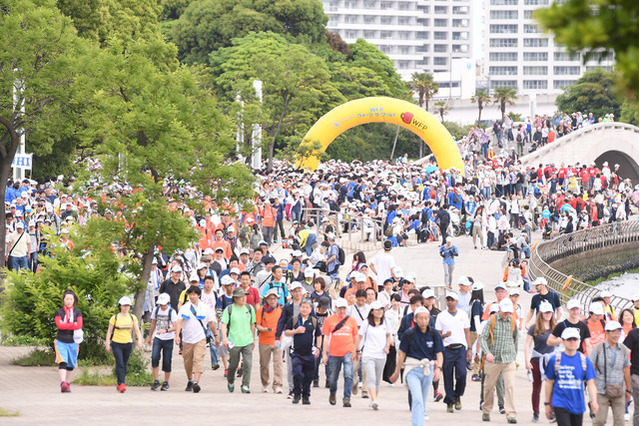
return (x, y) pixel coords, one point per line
(481, 98)
(442, 108)
(503, 96)
(425, 86)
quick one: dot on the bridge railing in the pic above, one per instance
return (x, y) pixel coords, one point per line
(576, 243)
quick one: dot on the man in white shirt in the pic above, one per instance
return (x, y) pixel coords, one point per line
(383, 264)
(453, 326)
(191, 321)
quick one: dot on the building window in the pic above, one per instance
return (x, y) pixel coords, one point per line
(404, 65)
(404, 21)
(536, 2)
(403, 5)
(386, 5)
(352, 34)
(504, 14)
(535, 70)
(503, 29)
(460, 10)
(503, 56)
(564, 56)
(561, 70)
(534, 84)
(459, 48)
(598, 67)
(404, 35)
(440, 48)
(422, 35)
(439, 35)
(385, 49)
(504, 2)
(561, 84)
(536, 56)
(439, 61)
(503, 42)
(531, 29)
(460, 23)
(460, 35)
(351, 4)
(370, 4)
(351, 19)
(439, 22)
(503, 70)
(528, 14)
(369, 20)
(369, 35)
(386, 35)
(440, 10)
(386, 20)
(404, 50)
(505, 83)
(536, 42)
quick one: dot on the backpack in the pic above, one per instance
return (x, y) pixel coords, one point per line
(519, 137)
(115, 325)
(492, 325)
(230, 308)
(583, 361)
(341, 255)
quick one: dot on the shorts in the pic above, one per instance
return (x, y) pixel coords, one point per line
(67, 353)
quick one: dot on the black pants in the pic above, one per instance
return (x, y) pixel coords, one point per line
(304, 370)
(121, 353)
(454, 368)
(443, 232)
(390, 365)
(566, 418)
(279, 226)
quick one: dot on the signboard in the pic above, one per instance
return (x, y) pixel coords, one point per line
(23, 161)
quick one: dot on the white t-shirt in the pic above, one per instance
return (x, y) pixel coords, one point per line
(456, 324)
(374, 339)
(164, 321)
(383, 263)
(358, 313)
(192, 331)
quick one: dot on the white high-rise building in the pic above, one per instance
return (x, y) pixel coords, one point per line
(518, 54)
(417, 35)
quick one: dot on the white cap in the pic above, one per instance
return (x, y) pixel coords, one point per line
(376, 305)
(154, 261)
(463, 280)
(420, 310)
(605, 293)
(540, 280)
(308, 272)
(452, 295)
(494, 307)
(244, 251)
(163, 299)
(510, 284)
(296, 253)
(358, 277)
(124, 300)
(341, 303)
(428, 293)
(570, 333)
(397, 271)
(295, 285)
(514, 291)
(227, 280)
(573, 303)
(176, 268)
(20, 225)
(596, 308)
(203, 223)
(449, 239)
(477, 286)
(545, 307)
(506, 305)
(235, 271)
(207, 251)
(410, 277)
(31, 223)
(194, 277)
(612, 326)
(499, 286)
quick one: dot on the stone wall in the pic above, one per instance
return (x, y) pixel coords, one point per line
(594, 264)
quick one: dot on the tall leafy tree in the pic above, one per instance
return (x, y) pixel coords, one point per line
(503, 96)
(425, 87)
(593, 92)
(39, 62)
(481, 98)
(442, 108)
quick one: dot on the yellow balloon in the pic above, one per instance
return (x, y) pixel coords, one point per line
(380, 110)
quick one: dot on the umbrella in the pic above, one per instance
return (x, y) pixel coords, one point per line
(430, 169)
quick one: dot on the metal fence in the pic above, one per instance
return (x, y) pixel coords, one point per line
(577, 243)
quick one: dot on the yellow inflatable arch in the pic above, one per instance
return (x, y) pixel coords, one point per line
(380, 110)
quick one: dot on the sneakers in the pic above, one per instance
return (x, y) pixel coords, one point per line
(165, 386)
(65, 387)
(511, 420)
(332, 399)
(501, 410)
(553, 418)
(265, 389)
(155, 386)
(485, 417)
(327, 384)
(290, 395)
(373, 405)
(536, 418)
(226, 371)
(305, 400)
(296, 399)
(189, 387)
(437, 396)
(476, 378)
(230, 387)
(627, 417)
(346, 402)
(214, 367)
(196, 387)
(449, 408)
(245, 389)
(354, 389)
(278, 391)
(457, 404)
(365, 394)
(122, 388)
(316, 384)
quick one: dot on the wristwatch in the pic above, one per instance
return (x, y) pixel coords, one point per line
(546, 403)
(628, 391)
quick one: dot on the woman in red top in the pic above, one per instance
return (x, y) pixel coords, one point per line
(68, 320)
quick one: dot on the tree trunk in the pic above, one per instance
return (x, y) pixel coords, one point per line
(5, 171)
(479, 112)
(395, 141)
(275, 135)
(147, 260)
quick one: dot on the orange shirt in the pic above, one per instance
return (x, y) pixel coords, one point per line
(268, 216)
(225, 245)
(205, 239)
(268, 320)
(597, 332)
(342, 341)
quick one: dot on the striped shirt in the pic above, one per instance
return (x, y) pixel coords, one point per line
(504, 345)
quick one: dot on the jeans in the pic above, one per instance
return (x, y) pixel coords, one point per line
(304, 368)
(16, 263)
(234, 360)
(213, 351)
(267, 233)
(279, 226)
(334, 364)
(33, 261)
(166, 348)
(454, 366)
(419, 385)
(566, 418)
(121, 353)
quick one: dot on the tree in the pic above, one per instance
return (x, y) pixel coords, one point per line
(425, 86)
(442, 108)
(503, 96)
(366, 55)
(41, 56)
(208, 25)
(481, 98)
(597, 27)
(593, 92)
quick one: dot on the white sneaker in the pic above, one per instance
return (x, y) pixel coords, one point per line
(374, 405)
(265, 389)
(627, 417)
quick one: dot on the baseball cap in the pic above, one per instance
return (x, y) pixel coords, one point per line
(573, 303)
(498, 287)
(397, 271)
(376, 305)
(341, 303)
(514, 291)
(494, 307)
(194, 277)
(296, 253)
(272, 292)
(506, 305)
(219, 249)
(176, 268)
(452, 295)
(308, 272)
(477, 286)
(239, 292)
(449, 239)
(124, 300)
(540, 280)
(20, 225)
(605, 293)
(545, 307)
(244, 251)
(227, 280)
(358, 277)
(295, 285)
(163, 299)
(570, 333)
(207, 251)
(420, 310)
(235, 271)
(464, 281)
(612, 326)
(428, 293)
(596, 308)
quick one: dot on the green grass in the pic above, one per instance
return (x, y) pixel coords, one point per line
(5, 413)
(610, 276)
(91, 377)
(23, 340)
(36, 358)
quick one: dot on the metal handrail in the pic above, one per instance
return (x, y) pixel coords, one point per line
(575, 243)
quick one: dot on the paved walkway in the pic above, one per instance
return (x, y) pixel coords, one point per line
(33, 391)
